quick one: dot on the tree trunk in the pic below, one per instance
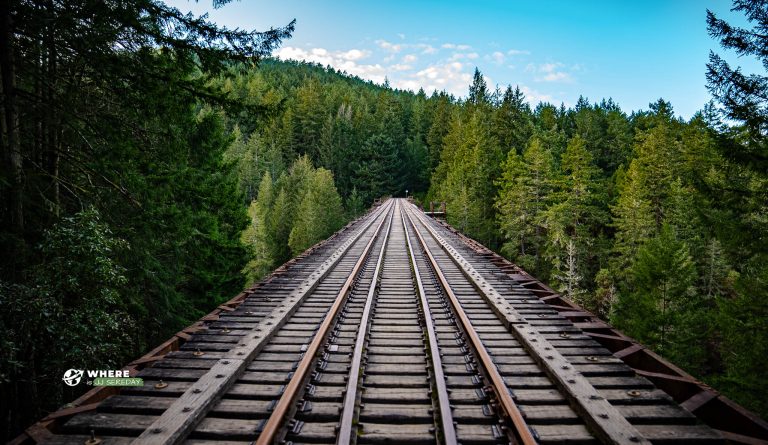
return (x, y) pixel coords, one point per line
(11, 122)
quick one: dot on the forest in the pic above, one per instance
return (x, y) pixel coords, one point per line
(155, 163)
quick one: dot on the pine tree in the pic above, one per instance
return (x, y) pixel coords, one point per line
(513, 121)
(633, 217)
(256, 236)
(478, 90)
(664, 311)
(743, 96)
(573, 221)
(524, 189)
(318, 214)
(440, 126)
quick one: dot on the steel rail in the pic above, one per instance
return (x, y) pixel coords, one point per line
(273, 424)
(444, 404)
(603, 419)
(497, 381)
(186, 412)
(350, 396)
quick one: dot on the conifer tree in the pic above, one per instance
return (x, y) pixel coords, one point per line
(319, 212)
(573, 221)
(513, 123)
(524, 189)
(256, 236)
(664, 310)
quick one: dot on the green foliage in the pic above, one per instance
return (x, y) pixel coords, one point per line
(288, 216)
(71, 314)
(743, 96)
(574, 223)
(113, 111)
(525, 185)
(319, 212)
(664, 311)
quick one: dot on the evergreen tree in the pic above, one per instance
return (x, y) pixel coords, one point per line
(512, 121)
(664, 311)
(478, 90)
(319, 212)
(256, 236)
(573, 222)
(524, 189)
(743, 96)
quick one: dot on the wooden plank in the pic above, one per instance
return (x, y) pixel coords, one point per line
(698, 400)
(669, 434)
(602, 417)
(188, 410)
(401, 433)
(109, 423)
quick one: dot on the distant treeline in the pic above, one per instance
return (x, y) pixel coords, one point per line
(653, 222)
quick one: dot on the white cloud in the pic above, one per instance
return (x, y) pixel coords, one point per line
(549, 72)
(496, 56)
(340, 60)
(355, 54)
(449, 76)
(533, 97)
(433, 66)
(389, 46)
(400, 67)
(459, 56)
(426, 48)
(557, 77)
(455, 46)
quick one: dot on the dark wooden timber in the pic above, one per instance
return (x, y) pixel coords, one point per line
(399, 329)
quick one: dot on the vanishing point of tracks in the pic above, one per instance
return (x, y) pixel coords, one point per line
(393, 331)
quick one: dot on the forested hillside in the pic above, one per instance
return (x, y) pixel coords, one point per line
(152, 169)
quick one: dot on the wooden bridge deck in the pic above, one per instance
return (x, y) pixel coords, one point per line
(398, 329)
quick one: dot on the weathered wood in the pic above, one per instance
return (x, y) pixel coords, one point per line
(600, 415)
(186, 412)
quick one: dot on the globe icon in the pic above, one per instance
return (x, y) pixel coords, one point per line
(72, 376)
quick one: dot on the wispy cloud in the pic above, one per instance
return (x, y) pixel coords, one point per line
(497, 57)
(455, 46)
(341, 60)
(438, 66)
(534, 96)
(549, 72)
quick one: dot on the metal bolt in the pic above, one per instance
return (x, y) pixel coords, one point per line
(186, 409)
(157, 430)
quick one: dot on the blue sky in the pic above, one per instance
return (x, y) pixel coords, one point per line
(632, 51)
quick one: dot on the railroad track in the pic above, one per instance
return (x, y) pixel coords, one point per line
(395, 331)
